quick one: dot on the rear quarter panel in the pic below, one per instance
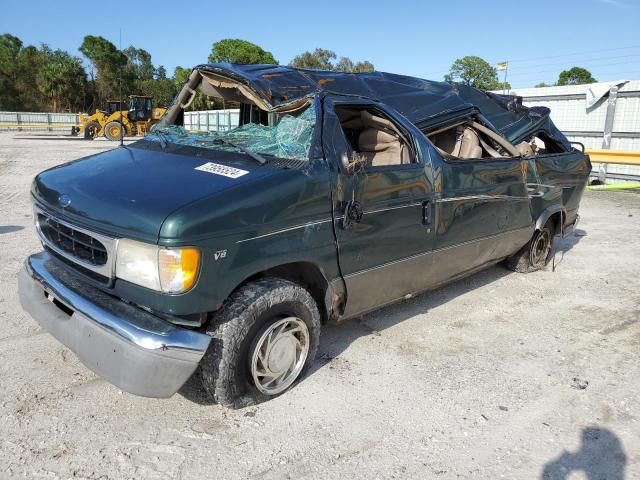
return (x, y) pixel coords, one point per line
(568, 172)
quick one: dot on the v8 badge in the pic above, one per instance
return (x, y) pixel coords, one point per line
(219, 255)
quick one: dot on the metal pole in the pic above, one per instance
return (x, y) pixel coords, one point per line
(120, 95)
(607, 130)
(504, 85)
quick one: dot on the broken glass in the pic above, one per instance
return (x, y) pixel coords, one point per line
(290, 138)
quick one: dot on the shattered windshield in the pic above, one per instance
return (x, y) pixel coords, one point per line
(290, 138)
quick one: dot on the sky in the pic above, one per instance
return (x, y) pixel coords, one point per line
(423, 39)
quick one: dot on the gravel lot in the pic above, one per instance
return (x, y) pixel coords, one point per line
(501, 375)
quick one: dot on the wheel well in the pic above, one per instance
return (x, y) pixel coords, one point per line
(306, 274)
(556, 220)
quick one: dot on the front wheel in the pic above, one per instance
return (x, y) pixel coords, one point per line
(536, 253)
(265, 337)
(91, 130)
(113, 130)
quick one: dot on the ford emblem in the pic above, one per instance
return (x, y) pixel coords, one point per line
(64, 201)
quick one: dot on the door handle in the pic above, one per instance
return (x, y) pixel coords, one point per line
(426, 212)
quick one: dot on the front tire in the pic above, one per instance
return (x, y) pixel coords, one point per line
(113, 131)
(91, 130)
(535, 255)
(265, 337)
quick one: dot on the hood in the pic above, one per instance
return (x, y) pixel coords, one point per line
(129, 191)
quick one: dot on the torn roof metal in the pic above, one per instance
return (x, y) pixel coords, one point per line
(425, 103)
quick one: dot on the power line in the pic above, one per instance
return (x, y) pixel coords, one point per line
(626, 74)
(536, 71)
(586, 61)
(572, 54)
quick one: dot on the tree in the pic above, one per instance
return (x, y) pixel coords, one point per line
(162, 90)
(501, 86)
(575, 76)
(320, 59)
(109, 63)
(160, 73)
(541, 85)
(180, 77)
(235, 50)
(37, 79)
(344, 65)
(139, 61)
(61, 79)
(29, 62)
(363, 67)
(10, 48)
(473, 71)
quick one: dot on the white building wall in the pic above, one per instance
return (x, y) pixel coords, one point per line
(579, 123)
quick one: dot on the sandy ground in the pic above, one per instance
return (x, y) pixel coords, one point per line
(501, 375)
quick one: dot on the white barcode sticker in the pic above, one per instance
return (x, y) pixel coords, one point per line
(223, 170)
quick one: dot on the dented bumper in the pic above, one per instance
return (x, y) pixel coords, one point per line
(133, 349)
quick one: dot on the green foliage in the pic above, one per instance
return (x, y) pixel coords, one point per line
(322, 59)
(575, 76)
(35, 79)
(139, 62)
(10, 48)
(234, 50)
(501, 86)
(474, 71)
(160, 73)
(109, 64)
(110, 68)
(201, 101)
(162, 91)
(541, 85)
(363, 67)
(61, 78)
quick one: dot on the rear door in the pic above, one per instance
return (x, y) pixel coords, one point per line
(383, 214)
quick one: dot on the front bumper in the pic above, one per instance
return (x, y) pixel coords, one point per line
(135, 350)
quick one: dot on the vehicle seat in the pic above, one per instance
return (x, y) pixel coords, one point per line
(465, 143)
(525, 149)
(379, 143)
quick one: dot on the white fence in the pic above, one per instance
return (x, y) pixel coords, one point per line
(37, 122)
(212, 120)
(599, 115)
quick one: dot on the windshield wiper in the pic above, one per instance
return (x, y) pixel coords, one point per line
(162, 137)
(257, 157)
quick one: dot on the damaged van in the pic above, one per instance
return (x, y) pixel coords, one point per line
(222, 254)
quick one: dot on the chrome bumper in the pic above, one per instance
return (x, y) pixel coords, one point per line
(135, 350)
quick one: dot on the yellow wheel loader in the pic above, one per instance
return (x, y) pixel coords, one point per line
(120, 119)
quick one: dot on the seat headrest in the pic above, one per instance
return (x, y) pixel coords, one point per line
(373, 121)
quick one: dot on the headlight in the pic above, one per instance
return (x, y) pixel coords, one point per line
(170, 270)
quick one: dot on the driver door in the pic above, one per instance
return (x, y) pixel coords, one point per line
(383, 205)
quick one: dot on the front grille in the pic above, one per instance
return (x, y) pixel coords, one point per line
(73, 242)
(79, 268)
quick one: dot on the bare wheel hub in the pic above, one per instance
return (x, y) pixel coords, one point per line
(541, 248)
(279, 354)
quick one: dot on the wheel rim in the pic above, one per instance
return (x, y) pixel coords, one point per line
(279, 355)
(541, 248)
(114, 131)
